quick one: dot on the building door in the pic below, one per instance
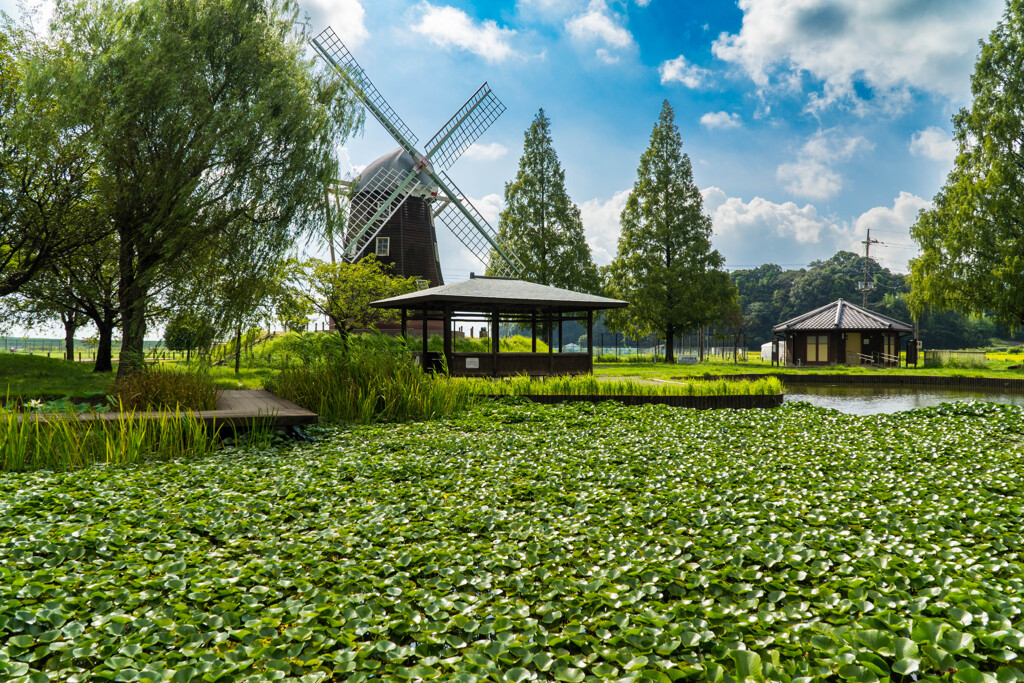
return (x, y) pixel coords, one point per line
(853, 348)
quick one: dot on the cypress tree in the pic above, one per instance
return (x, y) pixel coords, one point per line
(540, 223)
(665, 266)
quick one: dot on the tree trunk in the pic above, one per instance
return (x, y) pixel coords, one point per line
(69, 335)
(188, 355)
(238, 346)
(132, 295)
(104, 351)
(670, 349)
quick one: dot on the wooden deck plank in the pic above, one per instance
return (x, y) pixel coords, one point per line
(235, 408)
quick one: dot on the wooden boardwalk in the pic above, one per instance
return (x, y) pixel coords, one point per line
(239, 409)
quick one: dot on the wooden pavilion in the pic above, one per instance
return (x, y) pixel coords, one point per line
(840, 333)
(493, 301)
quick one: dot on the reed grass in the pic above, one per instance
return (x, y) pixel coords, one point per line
(374, 380)
(588, 385)
(164, 389)
(32, 441)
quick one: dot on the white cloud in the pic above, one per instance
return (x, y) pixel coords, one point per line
(347, 17)
(888, 46)
(891, 226)
(761, 231)
(597, 25)
(679, 70)
(486, 152)
(811, 175)
(721, 119)
(763, 221)
(451, 27)
(933, 143)
(601, 225)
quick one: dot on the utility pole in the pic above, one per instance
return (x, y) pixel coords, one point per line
(867, 286)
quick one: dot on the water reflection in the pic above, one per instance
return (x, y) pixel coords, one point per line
(874, 399)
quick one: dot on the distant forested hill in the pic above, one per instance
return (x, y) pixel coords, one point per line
(770, 295)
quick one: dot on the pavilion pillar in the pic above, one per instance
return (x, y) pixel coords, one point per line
(533, 330)
(423, 359)
(590, 338)
(560, 332)
(405, 319)
(494, 341)
(448, 359)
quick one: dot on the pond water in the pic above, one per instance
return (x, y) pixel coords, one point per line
(874, 399)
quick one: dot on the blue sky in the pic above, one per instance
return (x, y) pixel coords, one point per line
(807, 121)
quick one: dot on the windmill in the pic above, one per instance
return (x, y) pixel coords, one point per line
(405, 192)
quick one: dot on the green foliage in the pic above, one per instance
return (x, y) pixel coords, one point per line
(589, 385)
(62, 442)
(524, 542)
(770, 295)
(514, 344)
(373, 379)
(540, 224)
(236, 135)
(972, 241)
(187, 331)
(344, 291)
(157, 389)
(47, 171)
(665, 266)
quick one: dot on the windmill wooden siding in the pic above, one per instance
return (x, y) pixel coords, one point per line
(842, 333)
(412, 241)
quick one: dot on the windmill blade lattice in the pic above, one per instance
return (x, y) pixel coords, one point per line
(376, 201)
(334, 52)
(472, 229)
(463, 129)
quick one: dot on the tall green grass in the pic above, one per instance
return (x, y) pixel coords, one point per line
(374, 380)
(156, 389)
(64, 442)
(588, 385)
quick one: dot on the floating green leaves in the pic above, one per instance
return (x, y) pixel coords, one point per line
(521, 542)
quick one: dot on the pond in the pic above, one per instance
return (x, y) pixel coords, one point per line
(875, 399)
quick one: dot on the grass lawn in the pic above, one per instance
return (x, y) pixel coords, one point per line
(35, 376)
(518, 542)
(997, 367)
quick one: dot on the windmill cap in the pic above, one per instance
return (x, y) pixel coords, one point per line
(399, 163)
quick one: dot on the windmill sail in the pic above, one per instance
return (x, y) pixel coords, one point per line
(334, 52)
(472, 229)
(463, 129)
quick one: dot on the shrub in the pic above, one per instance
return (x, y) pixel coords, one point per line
(374, 380)
(155, 389)
(514, 344)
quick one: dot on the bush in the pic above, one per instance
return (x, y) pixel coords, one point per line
(514, 344)
(158, 389)
(374, 380)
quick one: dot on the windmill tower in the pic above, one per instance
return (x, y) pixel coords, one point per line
(395, 203)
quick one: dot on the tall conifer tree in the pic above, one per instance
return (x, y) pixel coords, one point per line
(540, 223)
(665, 266)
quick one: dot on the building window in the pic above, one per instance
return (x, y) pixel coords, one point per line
(383, 246)
(436, 257)
(817, 349)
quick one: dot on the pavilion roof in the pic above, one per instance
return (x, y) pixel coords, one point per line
(484, 293)
(842, 315)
